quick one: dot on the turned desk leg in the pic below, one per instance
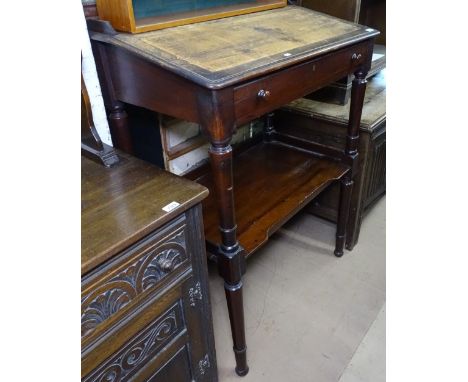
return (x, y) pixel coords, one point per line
(352, 143)
(346, 188)
(230, 254)
(118, 124)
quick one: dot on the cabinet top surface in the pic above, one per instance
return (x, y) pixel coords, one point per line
(122, 204)
(221, 52)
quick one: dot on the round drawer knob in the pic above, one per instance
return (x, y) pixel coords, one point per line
(264, 94)
(356, 56)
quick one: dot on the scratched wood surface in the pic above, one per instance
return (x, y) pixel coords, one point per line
(221, 52)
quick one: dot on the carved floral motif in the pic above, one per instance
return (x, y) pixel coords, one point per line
(137, 351)
(102, 307)
(108, 298)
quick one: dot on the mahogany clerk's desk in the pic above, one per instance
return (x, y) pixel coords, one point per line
(222, 74)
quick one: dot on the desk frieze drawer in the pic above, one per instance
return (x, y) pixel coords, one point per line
(111, 292)
(261, 96)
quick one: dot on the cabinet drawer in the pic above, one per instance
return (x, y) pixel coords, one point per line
(163, 338)
(261, 96)
(176, 369)
(136, 353)
(111, 292)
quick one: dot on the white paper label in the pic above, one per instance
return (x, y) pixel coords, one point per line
(376, 56)
(171, 206)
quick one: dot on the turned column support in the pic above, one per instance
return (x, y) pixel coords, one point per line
(217, 122)
(346, 188)
(118, 124)
(357, 101)
(230, 254)
(351, 151)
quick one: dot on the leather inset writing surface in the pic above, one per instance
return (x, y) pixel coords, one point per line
(220, 52)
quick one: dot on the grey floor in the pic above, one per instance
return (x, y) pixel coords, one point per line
(309, 315)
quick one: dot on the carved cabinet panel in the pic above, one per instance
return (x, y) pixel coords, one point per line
(146, 314)
(116, 288)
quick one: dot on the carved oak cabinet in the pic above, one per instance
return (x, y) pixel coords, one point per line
(145, 311)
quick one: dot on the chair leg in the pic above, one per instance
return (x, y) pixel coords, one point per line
(343, 214)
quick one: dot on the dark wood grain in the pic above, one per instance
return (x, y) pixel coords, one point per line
(149, 88)
(272, 182)
(131, 276)
(351, 151)
(308, 77)
(111, 222)
(145, 310)
(118, 121)
(218, 124)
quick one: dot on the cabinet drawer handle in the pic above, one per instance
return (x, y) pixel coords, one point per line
(263, 94)
(356, 56)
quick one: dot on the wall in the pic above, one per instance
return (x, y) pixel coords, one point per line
(88, 69)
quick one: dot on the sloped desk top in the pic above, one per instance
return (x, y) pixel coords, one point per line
(221, 52)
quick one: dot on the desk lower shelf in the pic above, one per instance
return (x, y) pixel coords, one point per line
(272, 181)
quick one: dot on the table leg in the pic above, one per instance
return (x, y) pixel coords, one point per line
(352, 143)
(216, 113)
(346, 187)
(118, 124)
(230, 254)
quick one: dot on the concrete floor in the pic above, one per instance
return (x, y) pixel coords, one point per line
(309, 315)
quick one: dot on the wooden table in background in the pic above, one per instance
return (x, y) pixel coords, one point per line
(222, 74)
